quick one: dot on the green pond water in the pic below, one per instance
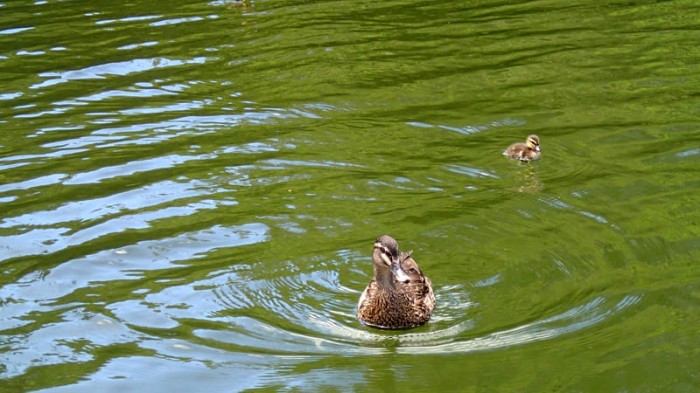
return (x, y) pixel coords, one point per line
(190, 191)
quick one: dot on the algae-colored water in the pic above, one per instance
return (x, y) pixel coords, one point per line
(189, 193)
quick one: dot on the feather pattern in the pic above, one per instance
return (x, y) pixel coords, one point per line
(392, 300)
(528, 151)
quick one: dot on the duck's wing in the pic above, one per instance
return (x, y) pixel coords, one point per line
(367, 295)
(518, 151)
(429, 296)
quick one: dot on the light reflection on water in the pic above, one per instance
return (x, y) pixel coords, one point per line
(188, 193)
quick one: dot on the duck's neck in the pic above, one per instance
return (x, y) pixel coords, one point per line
(385, 278)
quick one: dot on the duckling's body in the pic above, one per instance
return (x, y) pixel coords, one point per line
(399, 295)
(528, 151)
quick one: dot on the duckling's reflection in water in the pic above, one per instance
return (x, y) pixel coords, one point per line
(530, 182)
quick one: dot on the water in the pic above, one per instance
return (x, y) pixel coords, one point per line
(189, 194)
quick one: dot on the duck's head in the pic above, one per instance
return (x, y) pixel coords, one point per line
(386, 258)
(533, 142)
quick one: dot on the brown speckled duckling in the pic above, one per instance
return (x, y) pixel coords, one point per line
(528, 151)
(399, 295)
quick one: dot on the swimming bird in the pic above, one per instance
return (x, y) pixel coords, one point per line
(528, 151)
(399, 295)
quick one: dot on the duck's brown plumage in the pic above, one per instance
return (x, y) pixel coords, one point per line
(399, 295)
(528, 151)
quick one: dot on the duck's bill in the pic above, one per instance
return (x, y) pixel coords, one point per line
(398, 272)
(385, 257)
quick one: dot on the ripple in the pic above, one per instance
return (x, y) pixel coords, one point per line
(96, 208)
(15, 30)
(471, 129)
(128, 19)
(131, 168)
(177, 21)
(127, 263)
(314, 314)
(33, 183)
(558, 203)
(10, 96)
(117, 69)
(158, 132)
(182, 188)
(470, 171)
(57, 343)
(40, 241)
(66, 291)
(573, 320)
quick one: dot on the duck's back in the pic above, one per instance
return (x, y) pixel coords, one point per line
(516, 150)
(522, 152)
(420, 287)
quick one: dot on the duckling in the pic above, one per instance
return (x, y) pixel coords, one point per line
(528, 151)
(399, 295)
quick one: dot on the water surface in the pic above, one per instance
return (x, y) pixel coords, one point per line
(189, 194)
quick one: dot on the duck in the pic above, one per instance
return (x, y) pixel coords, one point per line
(528, 151)
(399, 296)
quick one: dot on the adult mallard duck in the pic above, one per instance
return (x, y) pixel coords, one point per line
(399, 295)
(528, 151)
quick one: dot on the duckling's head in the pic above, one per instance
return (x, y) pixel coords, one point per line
(386, 258)
(533, 142)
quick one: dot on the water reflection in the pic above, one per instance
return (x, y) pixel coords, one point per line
(318, 316)
(110, 69)
(575, 319)
(185, 190)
